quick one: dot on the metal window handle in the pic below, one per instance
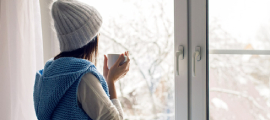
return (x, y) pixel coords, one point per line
(179, 55)
(196, 57)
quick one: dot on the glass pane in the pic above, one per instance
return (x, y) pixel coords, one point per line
(145, 28)
(239, 24)
(239, 87)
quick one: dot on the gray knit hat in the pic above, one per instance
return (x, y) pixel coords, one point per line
(76, 23)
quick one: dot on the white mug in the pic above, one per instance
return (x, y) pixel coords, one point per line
(112, 58)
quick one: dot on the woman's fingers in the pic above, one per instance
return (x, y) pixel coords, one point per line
(105, 62)
(122, 58)
(119, 60)
(127, 68)
(125, 74)
(128, 65)
(124, 66)
(127, 53)
(128, 60)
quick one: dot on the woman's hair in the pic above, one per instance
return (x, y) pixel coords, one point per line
(88, 52)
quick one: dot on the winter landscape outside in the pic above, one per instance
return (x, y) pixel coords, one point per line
(145, 28)
(239, 85)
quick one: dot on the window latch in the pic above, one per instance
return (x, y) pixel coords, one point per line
(179, 55)
(196, 57)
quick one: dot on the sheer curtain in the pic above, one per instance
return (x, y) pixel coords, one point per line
(21, 55)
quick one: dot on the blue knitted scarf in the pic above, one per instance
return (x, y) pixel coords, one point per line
(55, 90)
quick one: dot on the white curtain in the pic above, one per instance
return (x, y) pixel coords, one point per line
(21, 55)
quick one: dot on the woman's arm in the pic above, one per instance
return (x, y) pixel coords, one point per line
(113, 97)
(112, 90)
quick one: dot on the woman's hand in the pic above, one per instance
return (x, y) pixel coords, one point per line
(116, 71)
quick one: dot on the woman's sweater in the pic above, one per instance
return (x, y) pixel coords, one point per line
(94, 101)
(55, 90)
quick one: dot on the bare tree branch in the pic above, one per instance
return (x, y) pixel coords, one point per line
(135, 61)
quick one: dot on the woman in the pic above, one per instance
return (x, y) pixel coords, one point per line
(69, 86)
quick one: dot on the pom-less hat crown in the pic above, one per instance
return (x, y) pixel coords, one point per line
(76, 23)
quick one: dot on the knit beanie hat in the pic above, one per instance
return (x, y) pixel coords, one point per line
(76, 23)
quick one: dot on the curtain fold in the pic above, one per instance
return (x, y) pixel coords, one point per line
(21, 55)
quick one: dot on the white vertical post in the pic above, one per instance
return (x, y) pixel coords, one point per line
(181, 38)
(198, 38)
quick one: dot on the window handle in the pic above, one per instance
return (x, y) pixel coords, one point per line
(179, 55)
(196, 57)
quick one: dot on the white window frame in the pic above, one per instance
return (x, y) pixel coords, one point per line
(198, 37)
(191, 31)
(191, 95)
(181, 38)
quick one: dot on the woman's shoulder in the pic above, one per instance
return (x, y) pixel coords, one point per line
(89, 77)
(92, 81)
